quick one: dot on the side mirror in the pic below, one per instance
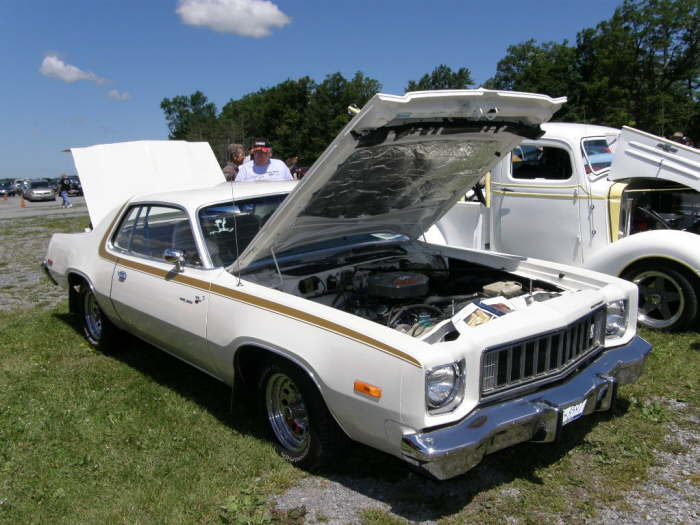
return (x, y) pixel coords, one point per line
(176, 257)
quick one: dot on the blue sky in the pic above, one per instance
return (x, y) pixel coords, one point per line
(80, 72)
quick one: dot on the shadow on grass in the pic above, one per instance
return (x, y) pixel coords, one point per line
(189, 382)
(695, 345)
(362, 469)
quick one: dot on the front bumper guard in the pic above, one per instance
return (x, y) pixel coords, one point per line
(453, 450)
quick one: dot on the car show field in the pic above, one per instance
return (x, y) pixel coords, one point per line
(75, 452)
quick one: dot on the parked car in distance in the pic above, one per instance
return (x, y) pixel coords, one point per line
(321, 300)
(20, 185)
(38, 190)
(623, 203)
(7, 188)
(53, 183)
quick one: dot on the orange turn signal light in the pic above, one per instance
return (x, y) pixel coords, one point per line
(369, 390)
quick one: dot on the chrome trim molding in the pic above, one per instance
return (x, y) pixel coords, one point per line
(453, 450)
(45, 267)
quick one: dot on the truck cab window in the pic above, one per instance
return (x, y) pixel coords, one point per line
(538, 162)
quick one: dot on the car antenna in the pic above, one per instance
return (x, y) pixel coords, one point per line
(235, 236)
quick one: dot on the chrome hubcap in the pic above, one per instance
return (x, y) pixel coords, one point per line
(661, 300)
(93, 316)
(287, 413)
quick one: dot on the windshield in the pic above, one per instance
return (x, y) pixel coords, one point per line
(598, 153)
(39, 184)
(229, 227)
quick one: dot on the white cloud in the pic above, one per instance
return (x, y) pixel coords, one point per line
(116, 95)
(240, 17)
(54, 67)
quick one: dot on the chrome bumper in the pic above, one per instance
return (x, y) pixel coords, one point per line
(450, 451)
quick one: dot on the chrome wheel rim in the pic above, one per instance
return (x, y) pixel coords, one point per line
(93, 316)
(287, 413)
(661, 299)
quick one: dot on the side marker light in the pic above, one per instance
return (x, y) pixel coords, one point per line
(369, 390)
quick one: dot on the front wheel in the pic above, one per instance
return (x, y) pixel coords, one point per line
(97, 328)
(667, 298)
(304, 432)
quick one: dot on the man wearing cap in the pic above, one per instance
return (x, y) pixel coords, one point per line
(263, 166)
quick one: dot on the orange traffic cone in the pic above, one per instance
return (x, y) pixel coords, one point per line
(21, 202)
(4, 197)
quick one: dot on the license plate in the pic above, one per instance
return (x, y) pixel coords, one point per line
(573, 412)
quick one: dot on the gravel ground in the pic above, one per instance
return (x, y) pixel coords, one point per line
(671, 496)
(24, 242)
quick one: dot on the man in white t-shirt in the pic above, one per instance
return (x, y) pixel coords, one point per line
(263, 166)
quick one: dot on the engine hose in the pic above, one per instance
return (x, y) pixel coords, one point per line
(395, 317)
(436, 299)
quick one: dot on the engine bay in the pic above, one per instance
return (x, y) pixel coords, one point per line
(408, 288)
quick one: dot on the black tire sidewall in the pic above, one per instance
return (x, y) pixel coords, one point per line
(689, 290)
(314, 454)
(106, 340)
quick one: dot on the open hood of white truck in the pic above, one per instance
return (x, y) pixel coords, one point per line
(643, 155)
(400, 164)
(110, 174)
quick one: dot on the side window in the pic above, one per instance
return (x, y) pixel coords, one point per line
(150, 230)
(537, 162)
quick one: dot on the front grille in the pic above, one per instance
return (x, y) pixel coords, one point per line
(513, 365)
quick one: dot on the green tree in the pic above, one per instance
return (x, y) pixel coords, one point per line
(327, 112)
(275, 113)
(642, 66)
(189, 117)
(442, 77)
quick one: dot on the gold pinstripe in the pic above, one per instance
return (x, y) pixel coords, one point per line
(549, 195)
(252, 300)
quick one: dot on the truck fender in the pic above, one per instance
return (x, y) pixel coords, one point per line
(680, 247)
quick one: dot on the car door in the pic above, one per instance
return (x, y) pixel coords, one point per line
(157, 302)
(536, 202)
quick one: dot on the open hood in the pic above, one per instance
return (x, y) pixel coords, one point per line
(400, 164)
(112, 173)
(642, 155)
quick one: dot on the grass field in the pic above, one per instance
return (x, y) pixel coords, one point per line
(138, 437)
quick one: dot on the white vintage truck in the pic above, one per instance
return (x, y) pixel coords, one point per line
(625, 203)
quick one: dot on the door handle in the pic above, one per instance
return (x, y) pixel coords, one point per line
(121, 275)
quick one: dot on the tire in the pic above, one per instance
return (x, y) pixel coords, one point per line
(668, 299)
(297, 419)
(97, 328)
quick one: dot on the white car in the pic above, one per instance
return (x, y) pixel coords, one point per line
(324, 301)
(625, 203)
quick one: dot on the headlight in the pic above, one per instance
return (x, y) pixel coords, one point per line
(616, 321)
(444, 386)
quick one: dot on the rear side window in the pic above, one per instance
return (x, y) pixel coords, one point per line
(538, 162)
(597, 153)
(149, 230)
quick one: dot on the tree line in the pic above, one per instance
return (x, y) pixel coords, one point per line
(639, 68)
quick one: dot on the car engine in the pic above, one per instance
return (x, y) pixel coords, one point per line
(412, 291)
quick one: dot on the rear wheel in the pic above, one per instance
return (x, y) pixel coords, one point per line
(668, 299)
(303, 429)
(98, 329)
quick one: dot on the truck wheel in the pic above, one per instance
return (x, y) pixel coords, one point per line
(304, 432)
(667, 298)
(98, 329)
